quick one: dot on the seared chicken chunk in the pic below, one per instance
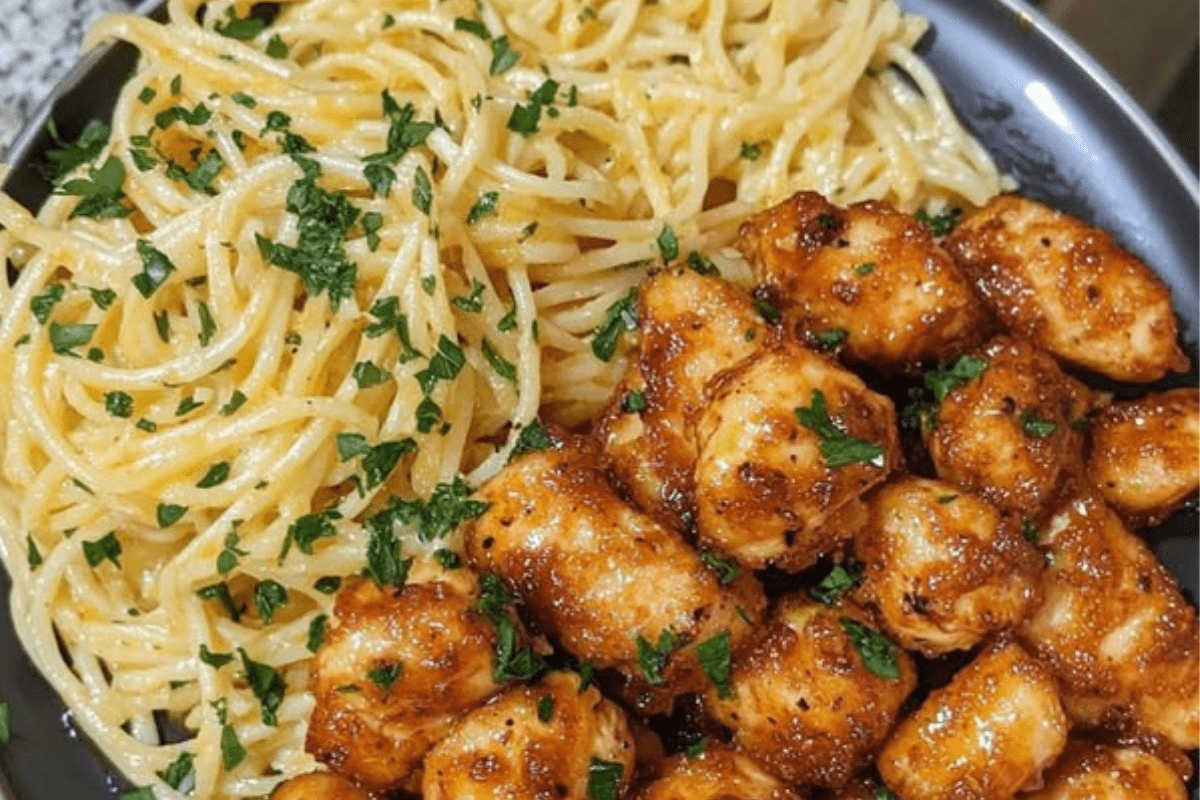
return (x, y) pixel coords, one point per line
(1114, 627)
(983, 736)
(1009, 434)
(692, 328)
(1092, 771)
(1145, 454)
(868, 270)
(944, 568)
(319, 786)
(606, 581)
(788, 446)
(543, 741)
(1070, 289)
(815, 693)
(719, 773)
(395, 669)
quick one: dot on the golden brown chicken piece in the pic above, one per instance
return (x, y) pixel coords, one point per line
(983, 736)
(868, 270)
(319, 786)
(815, 693)
(543, 741)
(396, 668)
(1114, 627)
(1145, 454)
(1092, 771)
(719, 773)
(944, 568)
(788, 445)
(606, 581)
(1009, 434)
(1070, 289)
(692, 327)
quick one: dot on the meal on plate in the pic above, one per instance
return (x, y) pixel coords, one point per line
(593, 400)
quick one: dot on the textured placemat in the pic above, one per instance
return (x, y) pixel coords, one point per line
(39, 42)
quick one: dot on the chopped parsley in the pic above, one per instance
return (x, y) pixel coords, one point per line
(448, 559)
(448, 506)
(307, 529)
(838, 448)
(525, 118)
(473, 301)
(404, 132)
(545, 707)
(766, 309)
(828, 340)
(1035, 425)
(5, 723)
(877, 652)
(277, 47)
(187, 405)
(502, 366)
(232, 751)
(714, 657)
(865, 268)
(227, 559)
(444, 365)
(41, 305)
(532, 438)
(422, 191)
(168, 514)
(668, 244)
(485, 206)
(239, 28)
(236, 401)
(269, 597)
(118, 404)
(33, 555)
(384, 563)
(604, 779)
(1029, 530)
(216, 660)
(220, 592)
(701, 265)
(473, 27)
(965, 369)
(156, 267)
(105, 548)
(200, 115)
(621, 316)
(207, 325)
(328, 584)
(64, 338)
(100, 192)
(268, 687)
(750, 151)
(386, 675)
(180, 774)
(367, 374)
(652, 659)
(137, 793)
(840, 581)
(390, 320)
(103, 298)
(215, 476)
(727, 568)
(64, 159)
(504, 57)
(940, 224)
(428, 415)
(633, 401)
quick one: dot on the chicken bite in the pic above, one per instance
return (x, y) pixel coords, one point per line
(607, 582)
(1006, 428)
(1093, 771)
(868, 270)
(543, 741)
(813, 696)
(396, 667)
(788, 445)
(692, 328)
(983, 736)
(944, 568)
(319, 786)
(1115, 628)
(719, 773)
(1145, 454)
(1070, 289)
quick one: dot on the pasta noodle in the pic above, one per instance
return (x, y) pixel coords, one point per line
(348, 255)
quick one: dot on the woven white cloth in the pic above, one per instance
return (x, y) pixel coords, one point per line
(39, 42)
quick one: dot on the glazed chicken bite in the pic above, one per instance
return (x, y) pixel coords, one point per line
(1093, 771)
(868, 270)
(1070, 289)
(1145, 454)
(396, 667)
(1005, 428)
(718, 773)
(1115, 628)
(944, 568)
(815, 693)
(788, 445)
(542, 741)
(607, 582)
(983, 736)
(692, 327)
(319, 786)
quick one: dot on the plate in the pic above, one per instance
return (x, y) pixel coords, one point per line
(1050, 115)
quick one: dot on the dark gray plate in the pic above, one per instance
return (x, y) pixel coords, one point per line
(1051, 116)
